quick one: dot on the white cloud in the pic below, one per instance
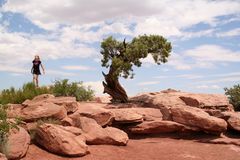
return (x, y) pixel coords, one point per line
(208, 87)
(221, 78)
(52, 73)
(231, 33)
(78, 67)
(213, 53)
(149, 16)
(148, 83)
(96, 86)
(17, 49)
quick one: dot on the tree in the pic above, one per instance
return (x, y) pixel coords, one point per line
(234, 96)
(120, 57)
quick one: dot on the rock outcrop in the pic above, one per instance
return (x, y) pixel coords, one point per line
(95, 134)
(94, 111)
(67, 141)
(171, 98)
(17, 143)
(157, 126)
(196, 117)
(100, 122)
(43, 110)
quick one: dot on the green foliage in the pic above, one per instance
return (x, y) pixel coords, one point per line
(5, 127)
(234, 96)
(122, 56)
(28, 91)
(75, 89)
(59, 88)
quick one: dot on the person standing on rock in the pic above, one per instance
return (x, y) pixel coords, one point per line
(36, 69)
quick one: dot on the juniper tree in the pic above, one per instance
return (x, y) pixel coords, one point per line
(121, 56)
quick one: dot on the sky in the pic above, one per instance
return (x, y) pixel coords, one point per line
(67, 34)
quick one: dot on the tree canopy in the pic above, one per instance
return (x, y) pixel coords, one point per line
(122, 56)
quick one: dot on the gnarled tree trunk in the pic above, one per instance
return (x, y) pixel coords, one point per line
(113, 87)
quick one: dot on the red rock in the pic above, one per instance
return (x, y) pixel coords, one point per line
(168, 99)
(196, 117)
(95, 111)
(157, 126)
(67, 141)
(69, 103)
(233, 120)
(95, 134)
(43, 110)
(126, 115)
(102, 99)
(14, 110)
(17, 143)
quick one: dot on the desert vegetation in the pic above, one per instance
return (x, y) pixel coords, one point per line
(59, 88)
(233, 94)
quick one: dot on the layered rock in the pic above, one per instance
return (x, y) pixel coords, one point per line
(196, 117)
(126, 115)
(14, 110)
(132, 115)
(67, 141)
(94, 111)
(17, 143)
(157, 126)
(69, 103)
(43, 110)
(95, 134)
(233, 120)
(171, 98)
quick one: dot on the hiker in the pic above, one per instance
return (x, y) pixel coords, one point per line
(36, 69)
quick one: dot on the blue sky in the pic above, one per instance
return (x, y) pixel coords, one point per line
(205, 36)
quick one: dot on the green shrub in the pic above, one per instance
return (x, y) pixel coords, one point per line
(59, 88)
(5, 126)
(28, 91)
(75, 89)
(234, 96)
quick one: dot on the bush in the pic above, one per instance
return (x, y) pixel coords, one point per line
(28, 91)
(75, 89)
(5, 127)
(59, 88)
(234, 96)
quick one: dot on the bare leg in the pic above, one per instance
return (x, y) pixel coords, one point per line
(35, 80)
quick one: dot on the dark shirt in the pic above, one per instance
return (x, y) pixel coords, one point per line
(36, 66)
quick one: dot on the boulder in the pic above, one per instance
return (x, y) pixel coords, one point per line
(233, 120)
(195, 117)
(102, 99)
(67, 141)
(43, 110)
(94, 111)
(149, 114)
(69, 103)
(95, 134)
(17, 143)
(126, 115)
(14, 110)
(172, 98)
(157, 126)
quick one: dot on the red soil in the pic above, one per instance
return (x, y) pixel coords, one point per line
(159, 148)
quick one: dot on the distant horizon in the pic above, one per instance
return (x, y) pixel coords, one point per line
(205, 37)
